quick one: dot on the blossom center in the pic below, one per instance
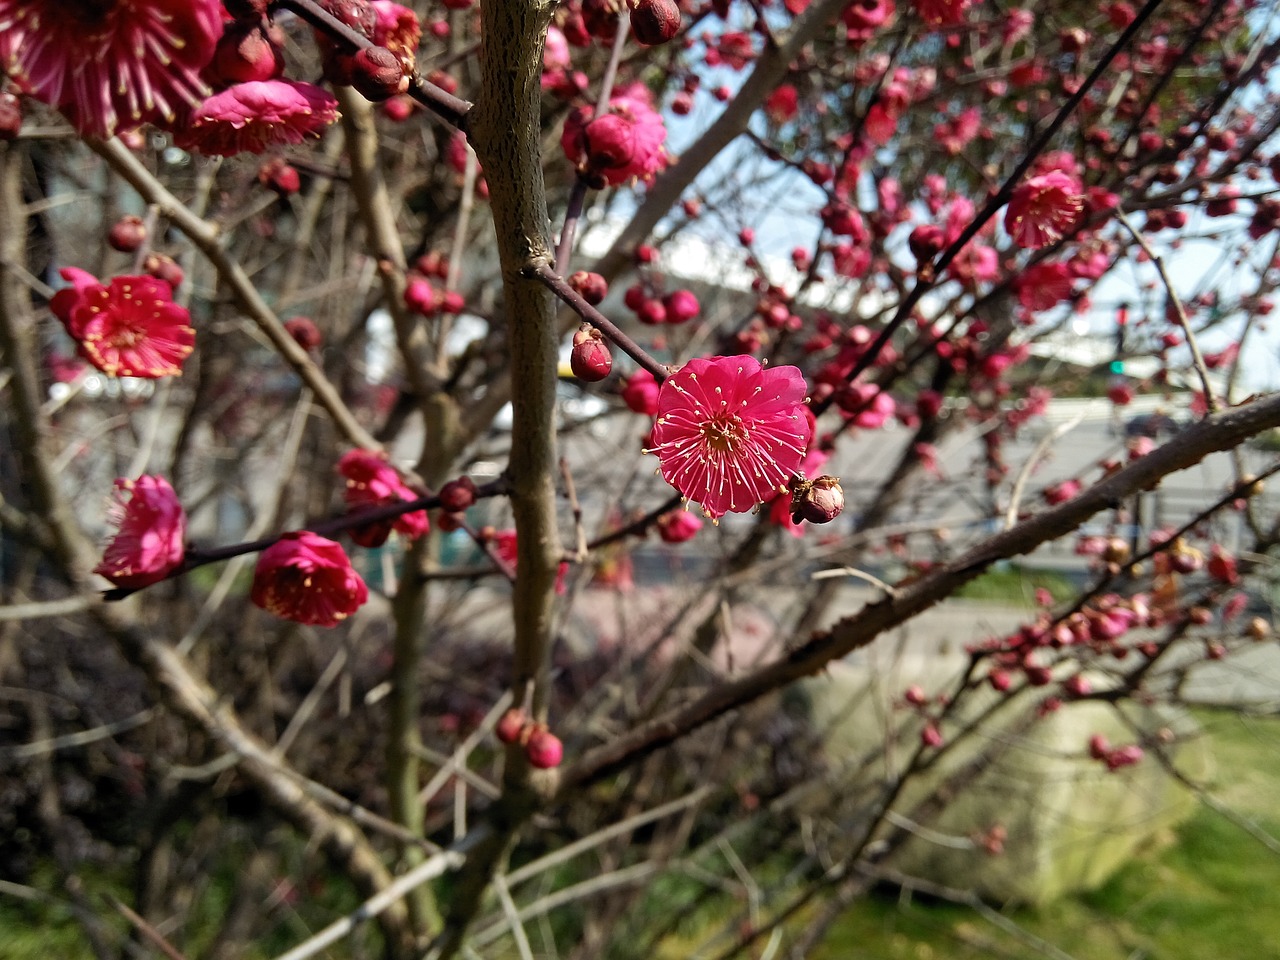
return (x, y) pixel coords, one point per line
(724, 434)
(91, 15)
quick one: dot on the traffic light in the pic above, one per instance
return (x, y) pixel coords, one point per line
(1117, 366)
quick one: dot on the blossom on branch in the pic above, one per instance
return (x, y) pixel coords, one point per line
(1043, 209)
(129, 328)
(305, 578)
(372, 482)
(255, 116)
(112, 64)
(150, 537)
(624, 143)
(730, 433)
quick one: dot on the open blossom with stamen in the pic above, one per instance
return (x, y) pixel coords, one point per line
(305, 578)
(110, 64)
(1043, 209)
(730, 433)
(256, 115)
(152, 529)
(129, 328)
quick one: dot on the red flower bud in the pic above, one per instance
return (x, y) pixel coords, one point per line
(457, 495)
(279, 176)
(419, 297)
(164, 268)
(511, 725)
(305, 332)
(819, 501)
(378, 74)
(544, 749)
(655, 21)
(592, 287)
(677, 526)
(245, 54)
(931, 736)
(128, 234)
(681, 305)
(590, 359)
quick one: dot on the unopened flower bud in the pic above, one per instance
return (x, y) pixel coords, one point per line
(655, 21)
(681, 305)
(304, 331)
(818, 501)
(544, 749)
(592, 287)
(677, 526)
(279, 176)
(458, 495)
(590, 359)
(931, 736)
(378, 74)
(419, 297)
(245, 54)
(165, 268)
(511, 725)
(128, 234)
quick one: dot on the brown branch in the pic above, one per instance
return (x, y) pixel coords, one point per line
(452, 110)
(1197, 358)
(1216, 433)
(546, 274)
(204, 236)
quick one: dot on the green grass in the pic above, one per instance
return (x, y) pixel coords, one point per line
(1213, 891)
(1014, 584)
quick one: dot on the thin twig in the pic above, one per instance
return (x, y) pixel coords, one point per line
(1019, 484)
(84, 737)
(205, 237)
(579, 533)
(429, 869)
(546, 274)
(459, 760)
(1197, 359)
(154, 936)
(38, 610)
(513, 918)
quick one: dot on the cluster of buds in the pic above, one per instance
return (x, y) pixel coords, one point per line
(677, 307)
(542, 747)
(377, 72)
(421, 297)
(1114, 757)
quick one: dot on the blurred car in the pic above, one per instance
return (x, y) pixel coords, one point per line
(1152, 425)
